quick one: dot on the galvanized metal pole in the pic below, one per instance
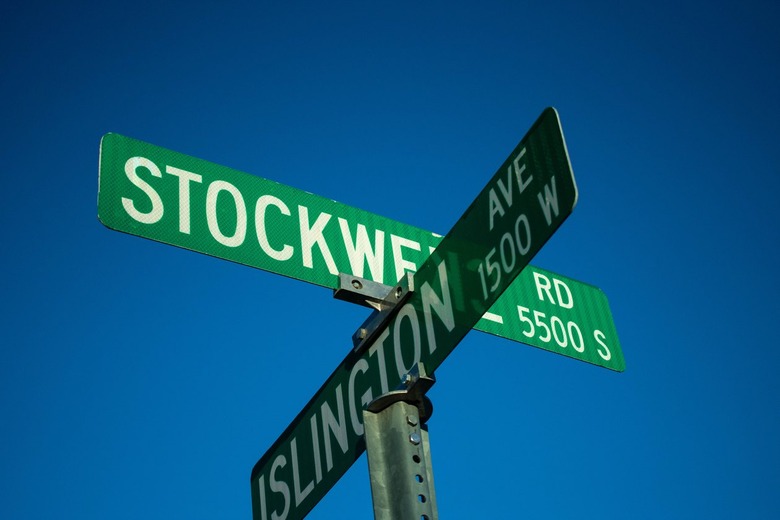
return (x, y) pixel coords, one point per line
(399, 453)
(399, 456)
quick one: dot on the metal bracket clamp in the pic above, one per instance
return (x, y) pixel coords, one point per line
(398, 449)
(361, 291)
(385, 300)
(412, 389)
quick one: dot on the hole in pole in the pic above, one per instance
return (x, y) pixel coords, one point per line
(421, 498)
(418, 478)
(416, 458)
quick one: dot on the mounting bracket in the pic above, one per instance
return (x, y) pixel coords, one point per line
(398, 448)
(385, 300)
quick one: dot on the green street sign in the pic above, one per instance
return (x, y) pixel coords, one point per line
(155, 193)
(506, 225)
(558, 314)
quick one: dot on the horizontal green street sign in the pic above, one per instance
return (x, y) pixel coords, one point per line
(509, 221)
(152, 192)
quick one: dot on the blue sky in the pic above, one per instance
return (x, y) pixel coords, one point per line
(139, 380)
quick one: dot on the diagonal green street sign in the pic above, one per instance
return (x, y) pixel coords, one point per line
(507, 224)
(159, 194)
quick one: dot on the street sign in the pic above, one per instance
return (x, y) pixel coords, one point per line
(155, 193)
(558, 314)
(509, 221)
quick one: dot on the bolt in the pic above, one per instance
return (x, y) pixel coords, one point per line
(415, 438)
(362, 333)
(411, 420)
(357, 285)
(398, 292)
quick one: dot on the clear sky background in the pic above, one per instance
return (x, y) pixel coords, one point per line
(139, 380)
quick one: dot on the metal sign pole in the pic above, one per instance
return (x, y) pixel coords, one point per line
(398, 449)
(397, 445)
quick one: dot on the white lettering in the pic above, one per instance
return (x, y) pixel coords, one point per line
(562, 291)
(185, 178)
(523, 248)
(506, 191)
(599, 336)
(338, 428)
(378, 348)
(211, 214)
(280, 486)
(286, 252)
(543, 286)
(315, 442)
(357, 426)
(569, 301)
(519, 170)
(299, 495)
(550, 200)
(155, 214)
(402, 265)
(432, 302)
(261, 487)
(495, 206)
(360, 251)
(579, 343)
(311, 235)
(493, 317)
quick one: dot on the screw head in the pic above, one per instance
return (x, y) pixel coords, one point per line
(415, 438)
(411, 420)
(357, 285)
